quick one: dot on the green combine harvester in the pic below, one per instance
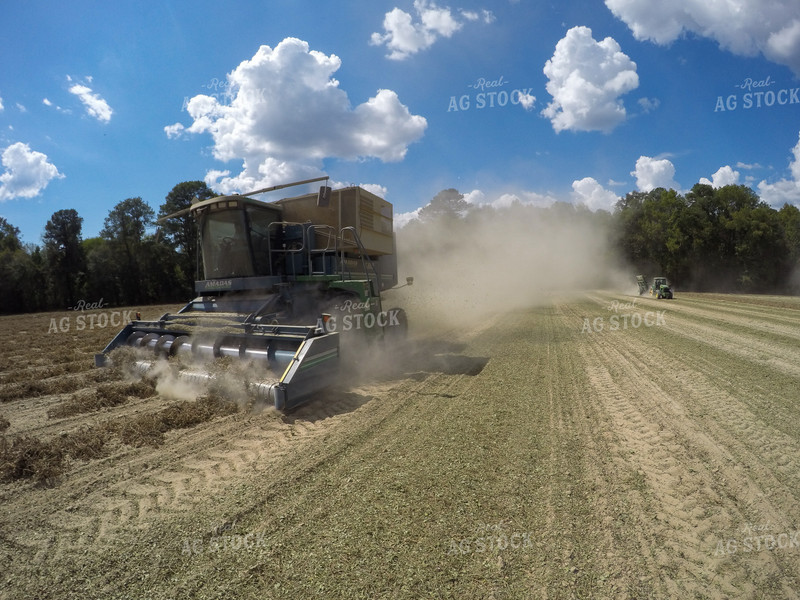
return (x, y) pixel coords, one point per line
(660, 288)
(282, 283)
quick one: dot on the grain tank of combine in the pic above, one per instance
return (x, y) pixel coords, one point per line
(282, 282)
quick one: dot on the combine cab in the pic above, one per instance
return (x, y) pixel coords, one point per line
(659, 289)
(283, 282)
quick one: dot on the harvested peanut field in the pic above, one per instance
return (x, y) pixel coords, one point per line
(597, 445)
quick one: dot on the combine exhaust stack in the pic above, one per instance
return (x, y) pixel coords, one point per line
(275, 276)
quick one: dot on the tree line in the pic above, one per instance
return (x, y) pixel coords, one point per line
(129, 263)
(710, 239)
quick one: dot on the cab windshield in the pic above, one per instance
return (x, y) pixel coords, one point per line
(225, 243)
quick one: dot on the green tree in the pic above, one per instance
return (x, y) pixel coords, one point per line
(447, 204)
(64, 255)
(28, 276)
(790, 222)
(162, 272)
(628, 236)
(180, 232)
(124, 228)
(102, 271)
(22, 273)
(10, 245)
(648, 231)
(759, 245)
(9, 236)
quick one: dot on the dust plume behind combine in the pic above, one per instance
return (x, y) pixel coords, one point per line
(495, 260)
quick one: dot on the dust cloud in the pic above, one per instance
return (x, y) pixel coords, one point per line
(498, 259)
(187, 378)
(466, 269)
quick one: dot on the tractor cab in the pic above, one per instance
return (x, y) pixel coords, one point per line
(660, 288)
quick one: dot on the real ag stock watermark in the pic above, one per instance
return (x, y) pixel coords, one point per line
(756, 93)
(624, 318)
(225, 92)
(222, 540)
(83, 305)
(359, 315)
(758, 538)
(491, 538)
(91, 320)
(490, 95)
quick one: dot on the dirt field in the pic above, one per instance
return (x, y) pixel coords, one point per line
(596, 446)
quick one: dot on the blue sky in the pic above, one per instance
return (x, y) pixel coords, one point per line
(508, 100)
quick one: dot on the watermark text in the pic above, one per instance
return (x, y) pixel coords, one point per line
(490, 538)
(490, 95)
(756, 94)
(758, 538)
(116, 318)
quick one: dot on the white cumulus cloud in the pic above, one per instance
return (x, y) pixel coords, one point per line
(748, 166)
(27, 172)
(591, 193)
(484, 15)
(95, 105)
(404, 36)
(174, 131)
(743, 27)
(506, 199)
(527, 101)
(402, 219)
(649, 104)
(480, 199)
(374, 188)
(286, 113)
(784, 191)
(652, 173)
(586, 80)
(724, 176)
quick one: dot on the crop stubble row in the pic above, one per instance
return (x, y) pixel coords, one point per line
(623, 457)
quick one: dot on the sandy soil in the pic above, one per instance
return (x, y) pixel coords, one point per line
(568, 450)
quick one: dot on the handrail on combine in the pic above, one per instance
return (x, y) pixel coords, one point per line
(365, 260)
(335, 245)
(329, 232)
(285, 251)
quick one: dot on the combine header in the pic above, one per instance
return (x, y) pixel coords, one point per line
(282, 283)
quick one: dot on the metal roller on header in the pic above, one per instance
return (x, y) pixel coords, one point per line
(282, 283)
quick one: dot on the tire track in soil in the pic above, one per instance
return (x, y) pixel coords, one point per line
(300, 491)
(700, 477)
(783, 321)
(266, 475)
(741, 337)
(781, 328)
(602, 554)
(737, 315)
(190, 466)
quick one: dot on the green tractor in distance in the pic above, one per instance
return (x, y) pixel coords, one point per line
(660, 288)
